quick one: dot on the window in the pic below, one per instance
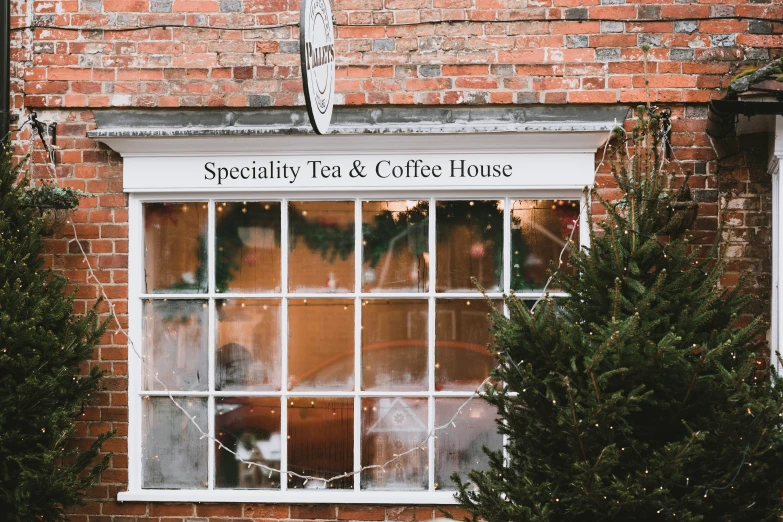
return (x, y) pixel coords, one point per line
(322, 336)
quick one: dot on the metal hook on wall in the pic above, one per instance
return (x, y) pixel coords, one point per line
(45, 131)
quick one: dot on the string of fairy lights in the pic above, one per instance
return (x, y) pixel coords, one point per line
(204, 434)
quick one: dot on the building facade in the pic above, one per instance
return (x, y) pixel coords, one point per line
(293, 308)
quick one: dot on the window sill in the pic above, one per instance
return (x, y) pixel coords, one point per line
(312, 496)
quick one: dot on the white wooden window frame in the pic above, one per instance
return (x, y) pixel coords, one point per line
(774, 169)
(571, 155)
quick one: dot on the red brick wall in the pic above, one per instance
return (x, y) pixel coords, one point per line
(551, 58)
(575, 51)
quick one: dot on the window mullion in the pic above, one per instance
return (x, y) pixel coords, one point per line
(431, 349)
(357, 343)
(507, 270)
(211, 339)
(507, 244)
(284, 339)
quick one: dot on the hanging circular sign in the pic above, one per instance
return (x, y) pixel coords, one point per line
(316, 50)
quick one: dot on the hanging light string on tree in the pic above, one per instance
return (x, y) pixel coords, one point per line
(51, 171)
(431, 434)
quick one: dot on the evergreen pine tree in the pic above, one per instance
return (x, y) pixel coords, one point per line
(635, 398)
(42, 391)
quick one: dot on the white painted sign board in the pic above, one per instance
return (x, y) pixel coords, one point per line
(359, 163)
(307, 172)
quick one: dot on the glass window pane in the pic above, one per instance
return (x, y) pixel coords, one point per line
(321, 246)
(173, 453)
(320, 344)
(249, 426)
(395, 246)
(462, 360)
(175, 247)
(392, 427)
(248, 344)
(539, 230)
(175, 344)
(394, 344)
(247, 246)
(469, 245)
(459, 446)
(320, 442)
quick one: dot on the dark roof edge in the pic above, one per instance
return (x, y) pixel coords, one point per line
(744, 83)
(359, 120)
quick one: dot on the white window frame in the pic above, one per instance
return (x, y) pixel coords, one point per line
(774, 169)
(575, 149)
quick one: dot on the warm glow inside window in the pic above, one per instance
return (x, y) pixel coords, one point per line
(319, 337)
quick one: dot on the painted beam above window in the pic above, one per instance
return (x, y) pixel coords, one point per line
(480, 150)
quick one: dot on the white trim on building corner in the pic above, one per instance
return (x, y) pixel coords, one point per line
(776, 160)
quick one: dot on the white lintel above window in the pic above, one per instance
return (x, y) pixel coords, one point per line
(534, 160)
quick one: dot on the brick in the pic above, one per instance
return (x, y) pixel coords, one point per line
(576, 27)
(230, 6)
(607, 54)
(682, 54)
(417, 84)
(361, 32)
(409, 514)
(686, 26)
(577, 41)
(723, 40)
(123, 508)
(364, 513)
(313, 511)
(592, 97)
(759, 27)
(383, 44)
(219, 510)
(125, 6)
(612, 27)
(161, 6)
(576, 13)
(163, 510)
(272, 511)
(465, 70)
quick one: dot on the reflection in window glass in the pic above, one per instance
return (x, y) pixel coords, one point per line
(175, 247)
(539, 230)
(395, 246)
(249, 426)
(321, 344)
(321, 246)
(320, 441)
(252, 319)
(462, 360)
(394, 344)
(469, 245)
(392, 426)
(460, 447)
(247, 246)
(175, 344)
(174, 455)
(248, 355)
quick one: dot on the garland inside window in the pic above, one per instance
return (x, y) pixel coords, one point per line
(484, 218)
